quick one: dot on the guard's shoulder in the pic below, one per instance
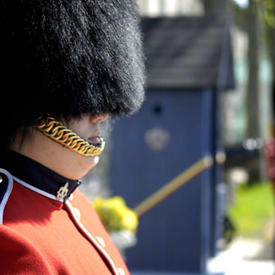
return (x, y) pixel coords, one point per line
(6, 184)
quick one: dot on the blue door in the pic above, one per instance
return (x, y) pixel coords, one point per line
(172, 131)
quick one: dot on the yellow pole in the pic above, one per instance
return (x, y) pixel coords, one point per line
(173, 185)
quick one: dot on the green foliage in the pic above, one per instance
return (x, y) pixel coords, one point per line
(268, 8)
(115, 214)
(252, 208)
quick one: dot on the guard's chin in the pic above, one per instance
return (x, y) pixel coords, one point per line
(95, 160)
(89, 163)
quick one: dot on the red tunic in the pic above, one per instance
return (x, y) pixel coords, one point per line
(41, 235)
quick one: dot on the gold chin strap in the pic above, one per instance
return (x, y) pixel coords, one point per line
(56, 131)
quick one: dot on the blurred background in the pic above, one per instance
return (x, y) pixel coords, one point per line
(197, 162)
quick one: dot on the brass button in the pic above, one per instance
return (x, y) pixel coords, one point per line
(121, 271)
(100, 241)
(77, 213)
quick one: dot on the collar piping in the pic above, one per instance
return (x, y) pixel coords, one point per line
(39, 178)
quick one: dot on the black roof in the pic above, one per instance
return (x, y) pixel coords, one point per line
(188, 52)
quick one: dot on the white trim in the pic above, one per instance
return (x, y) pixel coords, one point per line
(92, 239)
(37, 190)
(7, 193)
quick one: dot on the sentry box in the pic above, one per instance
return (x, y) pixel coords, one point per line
(188, 65)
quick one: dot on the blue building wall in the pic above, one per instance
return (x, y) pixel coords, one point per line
(176, 235)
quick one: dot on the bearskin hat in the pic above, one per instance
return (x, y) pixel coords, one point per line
(67, 58)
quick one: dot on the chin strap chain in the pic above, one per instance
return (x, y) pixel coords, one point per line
(56, 131)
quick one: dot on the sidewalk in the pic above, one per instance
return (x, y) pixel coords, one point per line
(245, 257)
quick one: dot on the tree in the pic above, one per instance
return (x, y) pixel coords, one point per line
(268, 10)
(253, 95)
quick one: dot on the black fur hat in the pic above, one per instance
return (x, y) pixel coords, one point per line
(69, 57)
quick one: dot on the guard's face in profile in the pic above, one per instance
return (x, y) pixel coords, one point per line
(88, 127)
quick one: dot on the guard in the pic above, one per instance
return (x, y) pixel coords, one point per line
(67, 66)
